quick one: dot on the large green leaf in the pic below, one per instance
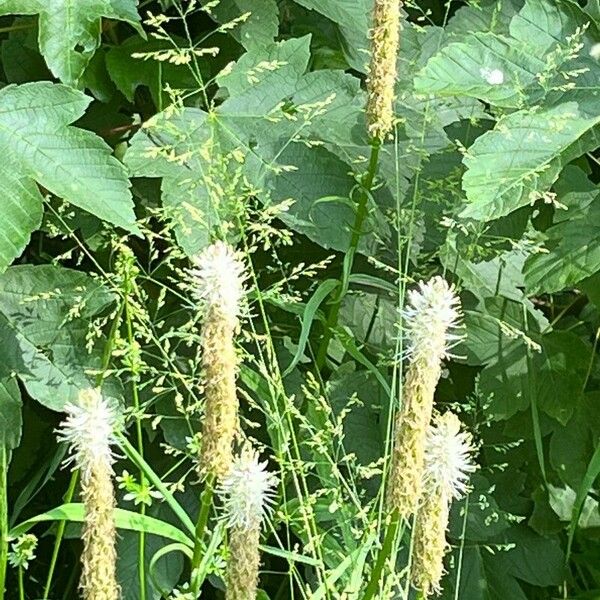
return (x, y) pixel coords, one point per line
(70, 30)
(515, 163)
(483, 65)
(574, 252)
(128, 72)
(38, 144)
(521, 365)
(544, 24)
(261, 79)
(44, 313)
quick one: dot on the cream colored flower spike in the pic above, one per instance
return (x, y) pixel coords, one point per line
(429, 320)
(247, 494)
(89, 430)
(448, 465)
(218, 279)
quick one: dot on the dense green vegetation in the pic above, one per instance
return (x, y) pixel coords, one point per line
(135, 134)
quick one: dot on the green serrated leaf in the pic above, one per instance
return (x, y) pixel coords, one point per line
(261, 79)
(39, 145)
(70, 30)
(573, 243)
(483, 65)
(185, 181)
(515, 163)
(353, 19)
(128, 72)
(543, 24)
(43, 324)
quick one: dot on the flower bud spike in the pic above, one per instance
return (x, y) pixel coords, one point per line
(428, 320)
(89, 430)
(247, 493)
(385, 37)
(448, 465)
(218, 279)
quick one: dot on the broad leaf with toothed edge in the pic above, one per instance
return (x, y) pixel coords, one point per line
(39, 145)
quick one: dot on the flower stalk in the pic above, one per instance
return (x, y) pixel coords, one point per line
(448, 464)
(431, 314)
(89, 430)
(247, 494)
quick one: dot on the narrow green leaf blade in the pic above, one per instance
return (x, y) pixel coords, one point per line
(124, 519)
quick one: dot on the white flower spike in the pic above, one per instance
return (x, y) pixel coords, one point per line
(89, 429)
(218, 277)
(448, 458)
(433, 310)
(247, 491)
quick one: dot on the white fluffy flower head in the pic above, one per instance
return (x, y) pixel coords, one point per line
(218, 277)
(89, 429)
(432, 312)
(247, 491)
(449, 457)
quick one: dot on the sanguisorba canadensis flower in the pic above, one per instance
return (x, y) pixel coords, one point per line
(89, 429)
(218, 277)
(247, 493)
(448, 464)
(385, 36)
(428, 321)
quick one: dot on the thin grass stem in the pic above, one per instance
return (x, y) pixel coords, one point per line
(3, 519)
(206, 502)
(382, 556)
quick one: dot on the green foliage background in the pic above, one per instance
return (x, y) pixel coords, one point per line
(108, 143)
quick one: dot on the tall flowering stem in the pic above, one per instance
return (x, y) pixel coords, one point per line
(217, 279)
(218, 282)
(380, 119)
(429, 320)
(247, 494)
(89, 430)
(448, 464)
(385, 38)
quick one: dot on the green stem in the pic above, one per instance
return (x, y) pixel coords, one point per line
(361, 214)
(3, 520)
(59, 534)
(21, 586)
(205, 506)
(140, 442)
(382, 556)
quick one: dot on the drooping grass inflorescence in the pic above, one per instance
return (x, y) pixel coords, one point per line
(89, 429)
(448, 464)
(218, 281)
(433, 312)
(247, 493)
(385, 38)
